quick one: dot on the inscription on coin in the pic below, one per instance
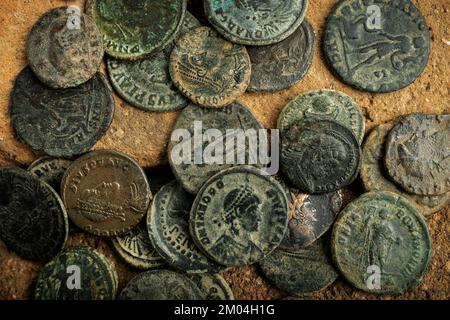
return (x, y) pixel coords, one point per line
(213, 286)
(50, 170)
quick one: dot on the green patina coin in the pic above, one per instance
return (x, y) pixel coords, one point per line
(417, 154)
(324, 104)
(375, 178)
(320, 157)
(239, 216)
(58, 279)
(50, 170)
(381, 243)
(305, 271)
(146, 84)
(168, 226)
(280, 66)
(209, 70)
(135, 29)
(64, 48)
(377, 46)
(256, 22)
(161, 285)
(213, 286)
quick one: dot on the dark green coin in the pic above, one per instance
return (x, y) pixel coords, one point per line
(161, 285)
(168, 226)
(213, 286)
(50, 170)
(135, 29)
(256, 22)
(33, 220)
(61, 122)
(377, 46)
(239, 216)
(320, 157)
(381, 243)
(64, 48)
(305, 271)
(280, 66)
(78, 273)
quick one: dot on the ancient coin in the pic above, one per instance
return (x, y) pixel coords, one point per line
(377, 46)
(106, 193)
(254, 22)
(214, 286)
(209, 70)
(168, 226)
(375, 178)
(64, 48)
(381, 243)
(305, 271)
(320, 157)
(324, 104)
(58, 279)
(135, 29)
(161, 285)
(281, 65)
(61, 122)
(50, 170)
(417, 154)
(239, 216)
(33, 221)
(146, 84)
(190, 160)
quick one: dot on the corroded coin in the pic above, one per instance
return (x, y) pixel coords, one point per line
(64, 48)
(188, 158)
(33, 220)
(59, 280)
(209, 70)
(106, 193)
(50, 170)
(168, 226)
(146, 84)
(63, 122)
(375, 178)
(239, 216)
(381, 243)
(280, 66)
(417, 153)
(323, 104)
(305, 271)
(255, 22)
(377, 46)
(213, 286)
(320, 157)
(135, 29)
(161, 285)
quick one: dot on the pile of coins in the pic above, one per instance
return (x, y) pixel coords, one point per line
(212, 217)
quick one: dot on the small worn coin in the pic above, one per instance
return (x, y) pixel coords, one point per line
(305, 271)
(64, 48)
(33, 220)
(417, 154)
(135, 29)
(57, 280)
(381, 243)
(320, 157)
(375, 178)
(61, 122)
(213, 286)
(232, 122)
(168, 226)
(209, 70)
(50, 170)
(280, 66)
(256, 22)
(161, 285)
(324, 104)
(377, 46)
(146, 84)
(106, 193)
(239, 216)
